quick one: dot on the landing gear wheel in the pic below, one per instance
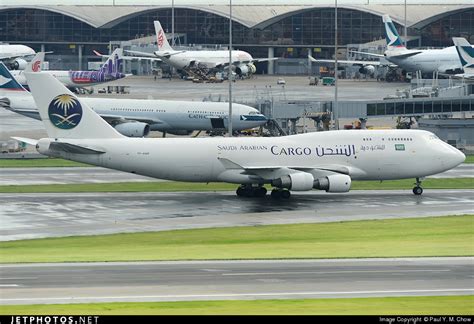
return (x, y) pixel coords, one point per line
(240, 192)
(417, 191)
(260, 192)
(276, 194)
(285, 194)
(281, 194)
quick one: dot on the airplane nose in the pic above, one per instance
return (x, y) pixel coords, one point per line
(456, 157)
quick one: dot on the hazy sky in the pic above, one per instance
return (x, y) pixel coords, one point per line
(220, 2)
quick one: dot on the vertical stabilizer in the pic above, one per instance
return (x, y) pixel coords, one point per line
(394, 42)
(36, 63)
(63, 115)
(113, 63)
(7, 81)
(465, 53)
(161, 39)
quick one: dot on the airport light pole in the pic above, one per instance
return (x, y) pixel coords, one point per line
(335, 108)
(230, 69)
(172, 23)
(405, 27)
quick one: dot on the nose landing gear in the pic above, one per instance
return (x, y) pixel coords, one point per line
(418, 190)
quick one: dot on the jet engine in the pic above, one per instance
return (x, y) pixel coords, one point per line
(300, 181)
(19, 64)
(245, 69)
(133, 129)
(367, 69)
(333, 183)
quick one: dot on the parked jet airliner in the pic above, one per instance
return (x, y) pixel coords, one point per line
(215, 59)
(427, 61)
(136, 117)
(322, 160)
(110, 71)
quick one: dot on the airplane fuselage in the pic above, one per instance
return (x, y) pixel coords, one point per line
(73, 79)
(12, 51)
(362, 154)
(161, 115)
(444, 60)
(209, 59)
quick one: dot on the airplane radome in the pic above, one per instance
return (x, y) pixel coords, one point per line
(323, 160)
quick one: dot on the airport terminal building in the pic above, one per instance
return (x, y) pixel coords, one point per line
(289, 32)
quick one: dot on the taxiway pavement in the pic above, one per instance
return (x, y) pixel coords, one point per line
(25, 216)
(220, 280)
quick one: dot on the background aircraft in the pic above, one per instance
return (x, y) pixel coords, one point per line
(206, 60)
(410, 60)
(13, 55)
(110, 71)
(466, 56)
(136, 117)
(321, 160)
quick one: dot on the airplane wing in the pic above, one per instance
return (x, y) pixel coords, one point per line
(121, 119)
(33, 113)
(367, 53)
(354, 62)
(144, 56)
(275, 172)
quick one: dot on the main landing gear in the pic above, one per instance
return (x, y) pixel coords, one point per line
(251, 191)
(417, 190)
(260, 191)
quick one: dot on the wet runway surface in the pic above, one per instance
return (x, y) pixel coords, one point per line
(217, 280)
(71, 175)
(35, 215)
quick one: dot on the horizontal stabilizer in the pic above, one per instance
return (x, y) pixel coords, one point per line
(28, 141)
(74, 148)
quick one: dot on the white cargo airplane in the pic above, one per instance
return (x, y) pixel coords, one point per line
(136, 117)
(13, 55)
(466, 57)
(322, 160)
(212, 60)
(427, 61)
(110, 71)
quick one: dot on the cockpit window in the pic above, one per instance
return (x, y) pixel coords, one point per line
(253, 113)
(433, 137)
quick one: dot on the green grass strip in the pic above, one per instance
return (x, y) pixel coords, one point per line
(407, 184)
(38, 163)
(433, 305)
(416, 237)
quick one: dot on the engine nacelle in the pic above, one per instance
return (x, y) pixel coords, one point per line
(367, 69)
(333, 183)
(19, 64)
(300, 181)
(179, 132)
(133, 129)
(245, 69)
